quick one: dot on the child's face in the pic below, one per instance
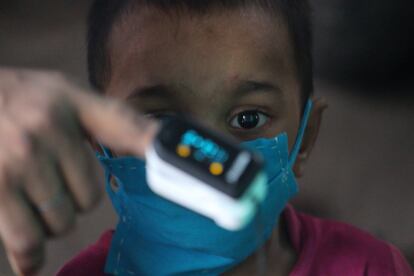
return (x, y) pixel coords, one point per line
(234, 70)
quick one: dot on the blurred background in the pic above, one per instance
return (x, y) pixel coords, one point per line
(362, 169)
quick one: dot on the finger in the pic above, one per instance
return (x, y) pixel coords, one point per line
(58, 126)
(45, 187)
(114, 124)
(82, 173)
(20, 231)
(108, 121)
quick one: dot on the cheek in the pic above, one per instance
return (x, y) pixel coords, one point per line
(290, 126)
(293, 112)
(293, 117)
(292, 131)
(287, 121)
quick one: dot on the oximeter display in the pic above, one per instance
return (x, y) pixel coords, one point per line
(208, 156)
(204, 151)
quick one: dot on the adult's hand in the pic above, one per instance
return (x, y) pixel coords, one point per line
(47, 171)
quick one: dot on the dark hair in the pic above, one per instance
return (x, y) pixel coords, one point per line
(296, 13)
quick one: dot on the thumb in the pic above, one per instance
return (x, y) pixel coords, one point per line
(114, 124)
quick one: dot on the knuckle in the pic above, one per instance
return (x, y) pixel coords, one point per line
(62, 227)
(5, 186)
(58, 112)
(4, 183)
(7, 181)
(42, 119)
(90, 200)
(24, 146)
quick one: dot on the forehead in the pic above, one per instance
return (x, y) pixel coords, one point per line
(147, 45)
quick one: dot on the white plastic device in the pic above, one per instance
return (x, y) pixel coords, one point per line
(184, 189)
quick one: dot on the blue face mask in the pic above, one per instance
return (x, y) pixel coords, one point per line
(157, 237)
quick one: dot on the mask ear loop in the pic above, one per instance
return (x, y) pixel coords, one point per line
(106, 152)
(295, 151)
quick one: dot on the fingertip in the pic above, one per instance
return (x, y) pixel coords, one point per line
(27, 264)
(116, 125)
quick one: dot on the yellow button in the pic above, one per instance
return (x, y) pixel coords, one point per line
(183, 151)
(216, 168)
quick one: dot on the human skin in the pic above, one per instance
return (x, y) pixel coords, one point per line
(48, 174)
(214, 67)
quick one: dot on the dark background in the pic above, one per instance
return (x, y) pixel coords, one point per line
(362, 169)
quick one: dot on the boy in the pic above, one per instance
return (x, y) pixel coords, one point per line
(243, 68)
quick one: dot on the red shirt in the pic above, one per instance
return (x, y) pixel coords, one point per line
(324, 247)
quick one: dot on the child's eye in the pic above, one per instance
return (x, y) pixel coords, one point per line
(249, 119)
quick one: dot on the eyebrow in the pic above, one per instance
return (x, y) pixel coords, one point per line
(247, 87)
(243, 89)
(156, 91)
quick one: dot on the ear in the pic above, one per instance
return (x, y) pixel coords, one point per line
(311, 135)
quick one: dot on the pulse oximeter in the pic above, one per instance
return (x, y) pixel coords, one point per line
(206, 172)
